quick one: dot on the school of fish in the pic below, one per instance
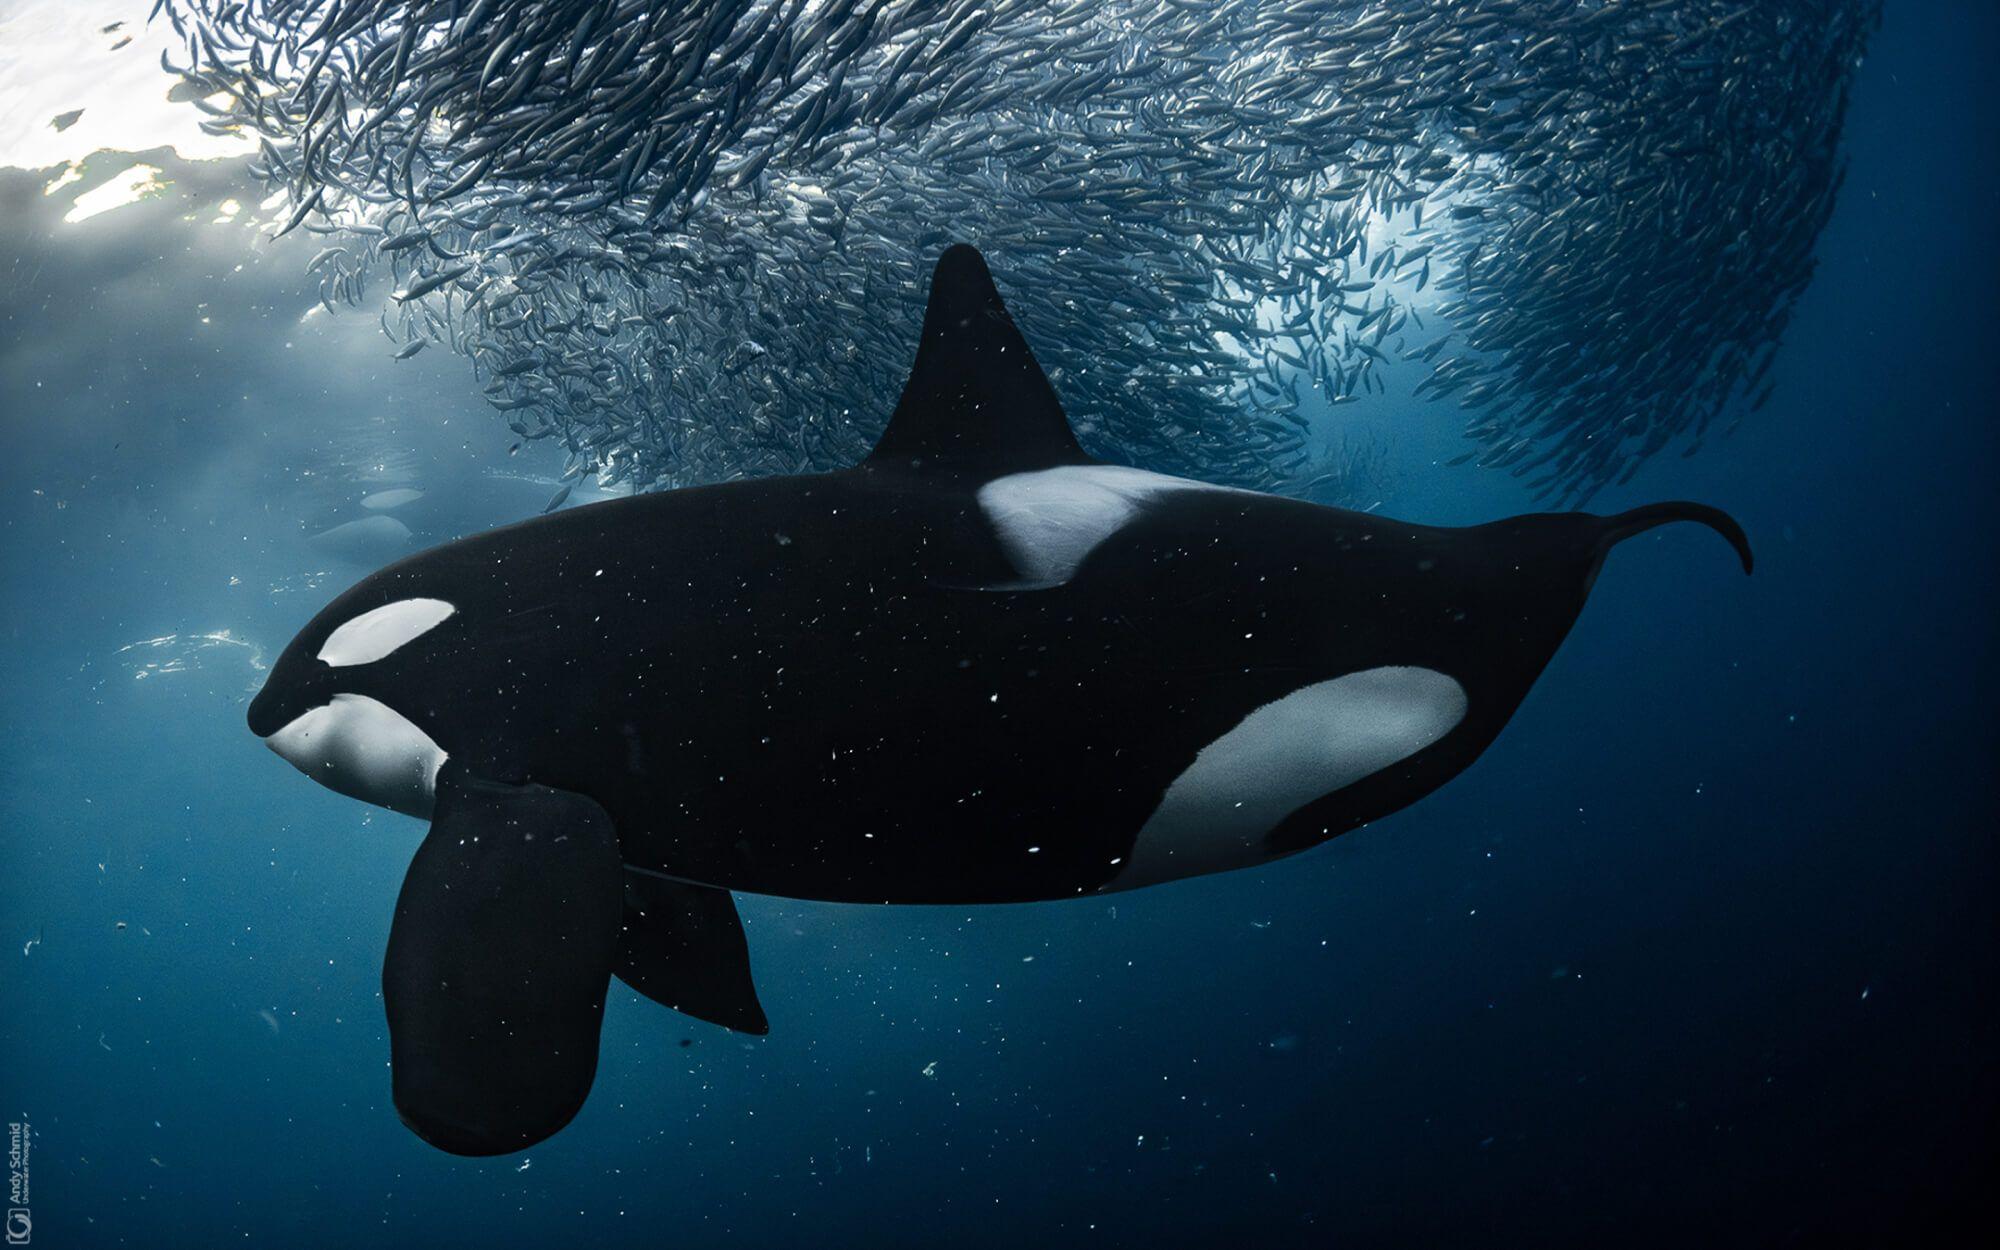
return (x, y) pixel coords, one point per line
(687, 240)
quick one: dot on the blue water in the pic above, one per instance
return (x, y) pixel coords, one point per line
(1703, 947)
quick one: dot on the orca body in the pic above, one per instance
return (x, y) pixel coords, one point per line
(978, 667)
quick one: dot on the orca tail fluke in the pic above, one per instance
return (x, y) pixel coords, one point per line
(1616, 529)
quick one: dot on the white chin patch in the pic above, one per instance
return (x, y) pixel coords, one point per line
(378, 632)
(1314, 741)
(366, 750)
(1051, 519)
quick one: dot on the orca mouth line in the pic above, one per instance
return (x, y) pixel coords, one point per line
(657, 875)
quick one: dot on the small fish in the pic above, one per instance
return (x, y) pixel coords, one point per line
(692, 233)
(425, 285)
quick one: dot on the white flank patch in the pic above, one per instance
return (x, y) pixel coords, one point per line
(366, 750)
(1314, 741)
(376, 633)
(1050, 520)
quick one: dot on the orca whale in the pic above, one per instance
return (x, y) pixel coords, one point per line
(980, 666)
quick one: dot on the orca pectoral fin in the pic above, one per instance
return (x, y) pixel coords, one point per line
(684, 948)
(498, 963)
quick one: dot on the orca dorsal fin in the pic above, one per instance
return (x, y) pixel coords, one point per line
(976, 403)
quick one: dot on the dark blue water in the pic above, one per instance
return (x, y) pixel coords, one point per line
(1703, 947)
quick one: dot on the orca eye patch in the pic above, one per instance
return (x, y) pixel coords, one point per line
(380, 631)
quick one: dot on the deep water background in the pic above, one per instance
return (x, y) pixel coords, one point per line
(1703, 947)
